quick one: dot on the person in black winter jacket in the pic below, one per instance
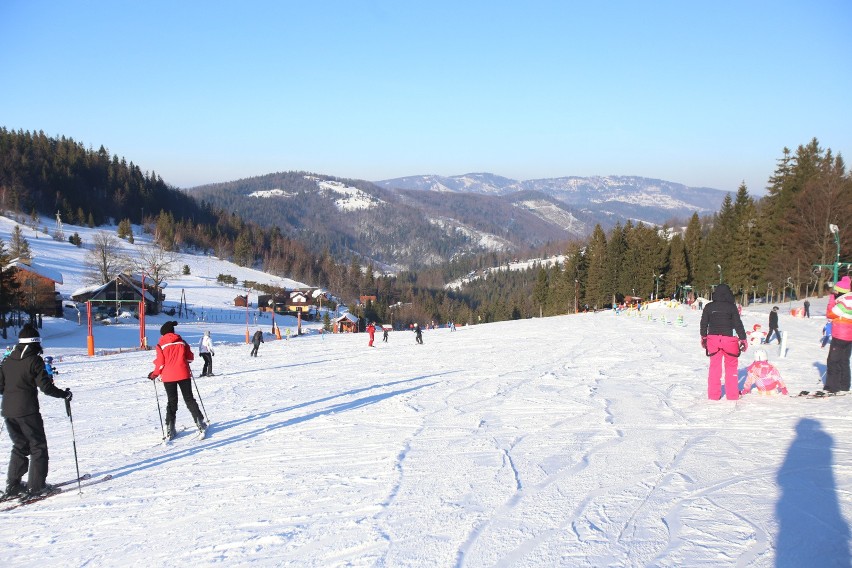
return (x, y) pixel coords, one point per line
(720, 320)
(21, 374)
(256, 340)
(773, 326)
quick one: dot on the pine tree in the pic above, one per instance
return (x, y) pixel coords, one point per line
(692, 246)
(19, 247)
(243, 249)
(598, 285)
(677, 273)
(9, 289)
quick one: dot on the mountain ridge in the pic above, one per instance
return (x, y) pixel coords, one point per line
(414, 221)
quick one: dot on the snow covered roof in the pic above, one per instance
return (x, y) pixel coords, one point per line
(347, 316)
(37, 269)
(96, 289)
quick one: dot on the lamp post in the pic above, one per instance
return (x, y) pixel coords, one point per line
(576, 295)
(272, 306)
(247, 315)
(836, 232)
(657, 278)
(719, 266)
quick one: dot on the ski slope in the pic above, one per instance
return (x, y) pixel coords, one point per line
(580, 440)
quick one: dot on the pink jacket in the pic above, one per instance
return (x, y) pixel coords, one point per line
(765, 376)
(841, 328)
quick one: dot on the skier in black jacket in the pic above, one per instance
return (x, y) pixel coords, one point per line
(720, 320)
(773, 326)
(21, 374)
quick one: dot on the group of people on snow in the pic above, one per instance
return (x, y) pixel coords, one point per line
(724, 339)
(418, 333)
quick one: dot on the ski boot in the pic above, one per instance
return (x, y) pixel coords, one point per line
(13, 490)
(202, 426)
(45, 491)
(170, 431)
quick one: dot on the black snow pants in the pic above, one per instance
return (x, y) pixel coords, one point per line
(171, 406)
(837, 365)
(208, 364)
(29, 451)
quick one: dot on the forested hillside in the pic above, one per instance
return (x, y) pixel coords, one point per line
(398, 229)
(762, 248)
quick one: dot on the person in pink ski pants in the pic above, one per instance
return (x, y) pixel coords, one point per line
(720, 320)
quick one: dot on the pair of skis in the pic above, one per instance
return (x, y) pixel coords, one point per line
(198, 436)
(819, 394)
(87, 478)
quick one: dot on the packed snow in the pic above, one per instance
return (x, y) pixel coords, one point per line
(579, 440)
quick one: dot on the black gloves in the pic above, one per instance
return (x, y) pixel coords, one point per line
(704, 341)
(743, 345)
(152, 376)
(68, 395)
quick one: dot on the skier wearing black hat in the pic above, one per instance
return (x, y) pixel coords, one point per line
(21, 374)
(172, 366)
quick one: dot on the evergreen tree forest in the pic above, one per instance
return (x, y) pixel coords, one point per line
(763, 248)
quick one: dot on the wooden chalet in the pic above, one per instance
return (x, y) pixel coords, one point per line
(36, 286)
(299, 301)
(123, 288)
(346, 323)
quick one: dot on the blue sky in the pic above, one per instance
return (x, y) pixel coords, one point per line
(706, 94)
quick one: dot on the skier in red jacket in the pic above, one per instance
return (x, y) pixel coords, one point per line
(172, 366)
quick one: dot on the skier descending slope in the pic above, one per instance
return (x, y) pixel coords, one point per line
(172, 366)
(720, 319)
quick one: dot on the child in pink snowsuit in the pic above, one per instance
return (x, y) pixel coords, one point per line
(764, 375)
(720, 321)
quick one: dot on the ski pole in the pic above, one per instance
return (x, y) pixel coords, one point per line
(74, 440)
(160, 412)
(192, 376)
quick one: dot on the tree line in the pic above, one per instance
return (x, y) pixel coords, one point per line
(777, 247)
(761, 247)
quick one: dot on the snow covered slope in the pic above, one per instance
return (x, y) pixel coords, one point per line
(581, 440)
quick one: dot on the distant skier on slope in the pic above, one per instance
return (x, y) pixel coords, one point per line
(21, 374)
(172, 366)
(256, 340)
(205, 349)
(773, 326)
(371, 330)
(418, 334)
(719, 321)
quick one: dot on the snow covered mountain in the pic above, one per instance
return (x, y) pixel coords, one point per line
(421, 220)
(396, 228)
(603, 197)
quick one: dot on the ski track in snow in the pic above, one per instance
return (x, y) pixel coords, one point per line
(467, 451)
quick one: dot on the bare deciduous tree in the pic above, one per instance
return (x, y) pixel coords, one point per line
(105, 260)
(157, 264)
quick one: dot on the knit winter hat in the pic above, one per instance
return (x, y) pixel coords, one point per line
(844, 285)
(29, 334)
(843, 307)
(760, 355)
(168, 327)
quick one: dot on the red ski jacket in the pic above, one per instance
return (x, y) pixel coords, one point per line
(173, 358)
